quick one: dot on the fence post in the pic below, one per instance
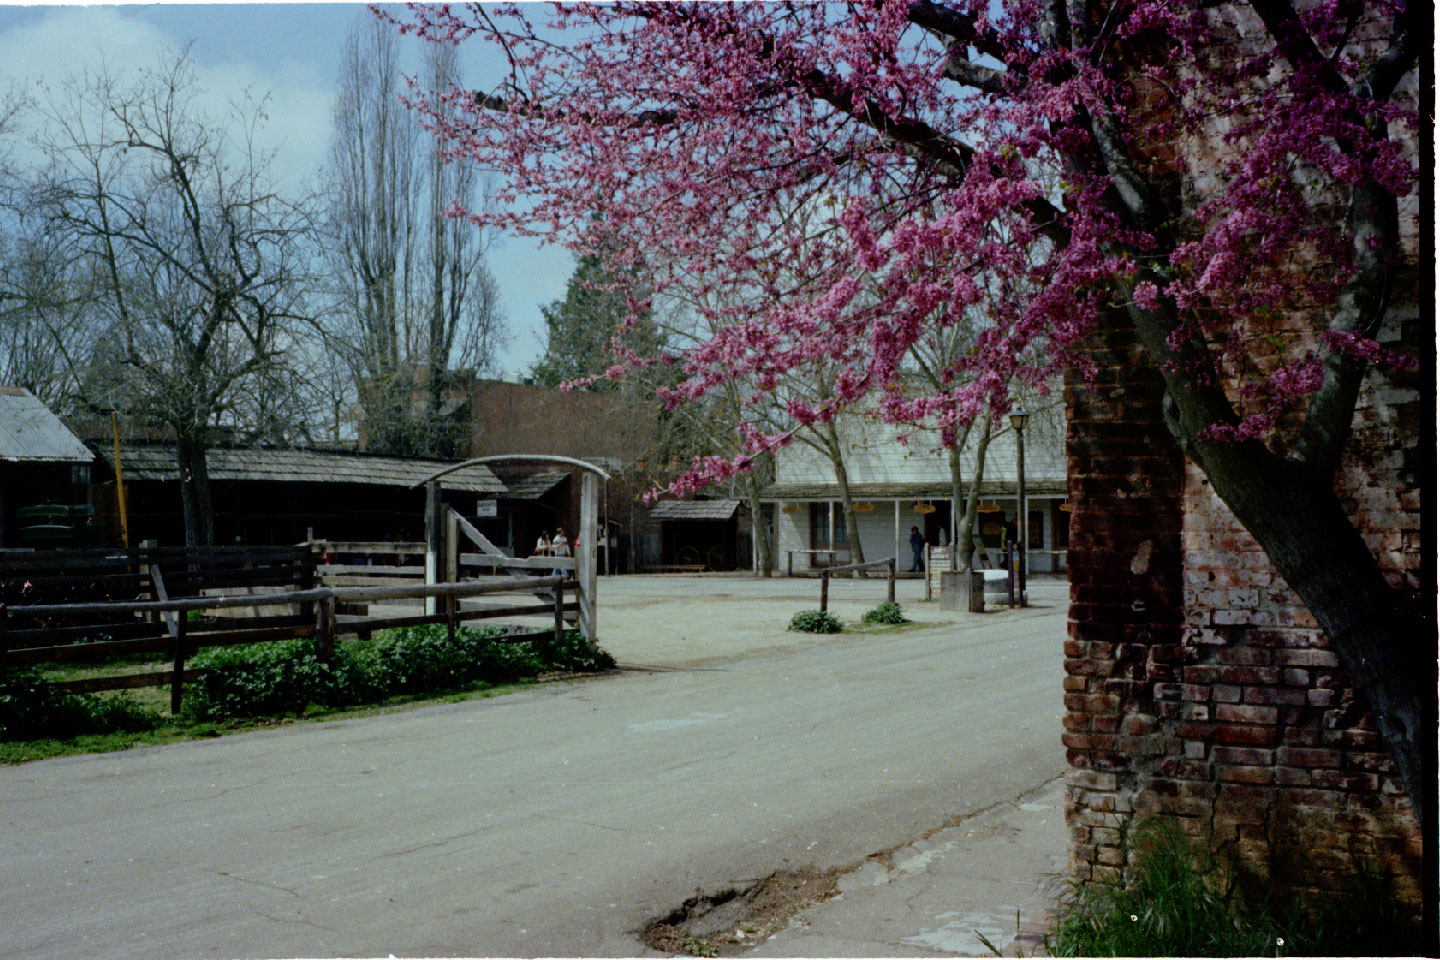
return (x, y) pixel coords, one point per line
(177, 677)
(451, 602)
(308, 578)
(559, 612)
(789, 563)
(325, 627)
(434, 533)
(824, 589)
(925, 572)
(452, 546)
(890, 577)
(585, 553)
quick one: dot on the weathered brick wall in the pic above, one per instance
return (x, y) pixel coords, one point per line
(1198, 687)
(1125, 487)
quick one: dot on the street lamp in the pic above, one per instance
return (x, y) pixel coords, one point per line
(1018, 419)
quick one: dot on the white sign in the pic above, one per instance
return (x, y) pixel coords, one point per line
(487, 508)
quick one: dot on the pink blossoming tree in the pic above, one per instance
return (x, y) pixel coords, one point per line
(1196, 169)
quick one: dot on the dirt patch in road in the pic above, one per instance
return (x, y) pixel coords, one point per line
(730, 922)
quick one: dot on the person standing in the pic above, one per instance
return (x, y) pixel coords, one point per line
(560, 547)
(917, 547)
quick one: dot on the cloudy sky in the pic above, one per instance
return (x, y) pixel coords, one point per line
(290, 52)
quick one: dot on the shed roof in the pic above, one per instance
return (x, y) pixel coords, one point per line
(695, 509)
(533, 486)
(157, 462)
(30, 433)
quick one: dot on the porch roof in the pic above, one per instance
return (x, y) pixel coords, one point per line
(914, 490)
(695, 509)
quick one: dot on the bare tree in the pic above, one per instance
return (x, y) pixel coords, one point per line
(197, 262)
(414, 300)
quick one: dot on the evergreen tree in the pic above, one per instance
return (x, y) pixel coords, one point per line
(579, 329)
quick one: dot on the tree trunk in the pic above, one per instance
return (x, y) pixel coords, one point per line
(847, 503)
(195, 490)
(759, 534)
(965, 526)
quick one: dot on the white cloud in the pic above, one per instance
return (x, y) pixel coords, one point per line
(71, 40)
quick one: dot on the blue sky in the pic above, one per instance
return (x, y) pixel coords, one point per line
(290, 52)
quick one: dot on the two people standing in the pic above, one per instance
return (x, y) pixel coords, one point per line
(557, 546)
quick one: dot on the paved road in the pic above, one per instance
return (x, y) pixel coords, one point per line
(553, 822)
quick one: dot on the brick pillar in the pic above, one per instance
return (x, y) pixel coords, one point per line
(1126, 482)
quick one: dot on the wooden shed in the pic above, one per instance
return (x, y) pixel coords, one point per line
(702, 533)
(44, 473)
(265, 496)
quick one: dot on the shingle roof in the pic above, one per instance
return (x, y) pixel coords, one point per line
(695, 509)
(533, 486)
(928, 490)
(30, 433)
(157, 462)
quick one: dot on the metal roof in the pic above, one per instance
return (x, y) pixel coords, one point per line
(157, 462)
(927, 490)
(695, 509)
(533, 486)
(30, 433)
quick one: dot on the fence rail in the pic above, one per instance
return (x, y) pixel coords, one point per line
(868, 565)
(323, 628)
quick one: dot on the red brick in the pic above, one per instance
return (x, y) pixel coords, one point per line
(1243, 755)
(1307, 757)
(1249, 675)
(1202, 673)
(1225, 693)
(1231, 713)
(1274, 695)
(1247, 736)
(1140, 724)
(1306, 658)
(1246, 656)
(1256, 775)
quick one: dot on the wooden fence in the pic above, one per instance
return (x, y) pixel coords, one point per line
(35, 643)
(825, 575)
(150, 573)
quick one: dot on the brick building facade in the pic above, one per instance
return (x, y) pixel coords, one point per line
(1198, 687)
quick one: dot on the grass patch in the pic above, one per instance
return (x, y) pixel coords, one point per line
(1177, 901)
(260, 685)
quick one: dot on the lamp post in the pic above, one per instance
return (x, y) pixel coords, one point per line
(1018, 419)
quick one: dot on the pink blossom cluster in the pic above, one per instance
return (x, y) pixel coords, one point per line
(833, 184)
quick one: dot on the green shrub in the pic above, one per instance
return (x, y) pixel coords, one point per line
(814, 621)
(278, 678)
(1175, 901)
(887, 612)
(573, 652)
(264, 679)
(32, 709)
